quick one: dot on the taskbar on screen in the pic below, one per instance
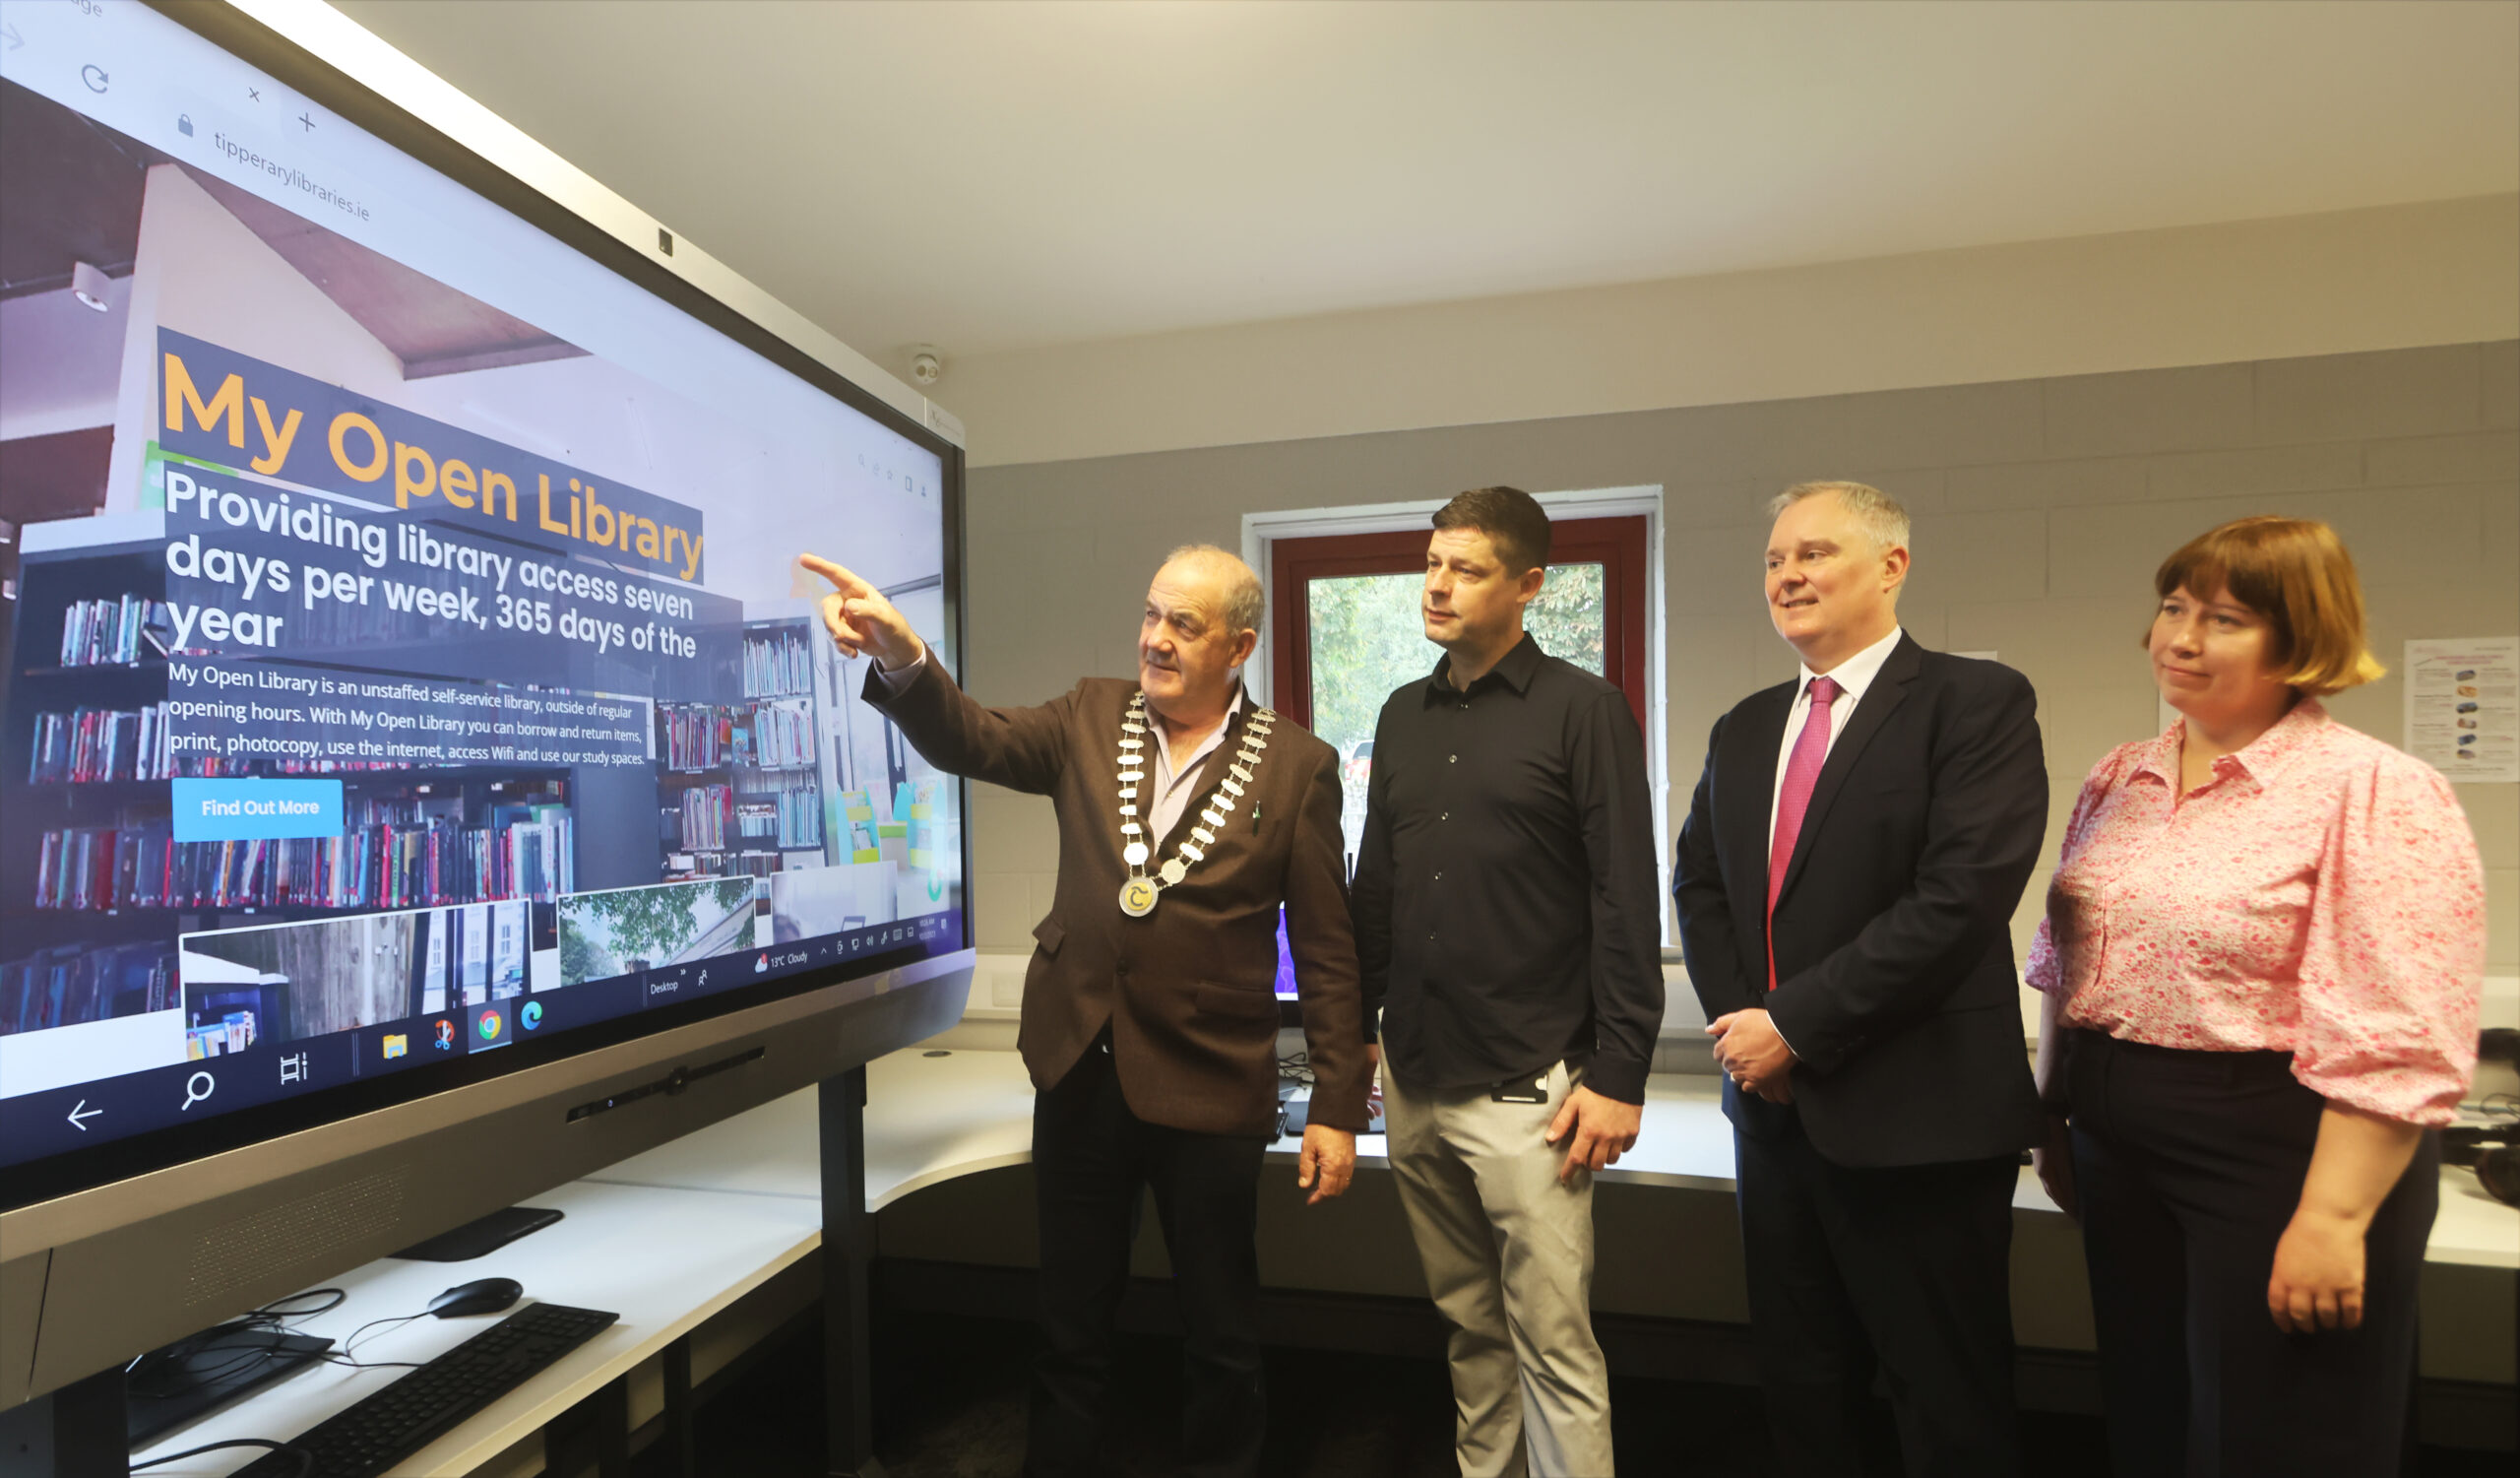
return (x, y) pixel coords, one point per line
(65, 1120)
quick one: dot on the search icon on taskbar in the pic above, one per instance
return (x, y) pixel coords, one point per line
(198, 1087)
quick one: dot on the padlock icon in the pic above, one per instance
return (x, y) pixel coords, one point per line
(184, 124)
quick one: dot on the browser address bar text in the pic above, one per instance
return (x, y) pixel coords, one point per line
(286, 175)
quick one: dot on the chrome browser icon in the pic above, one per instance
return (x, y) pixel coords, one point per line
(489, 1027)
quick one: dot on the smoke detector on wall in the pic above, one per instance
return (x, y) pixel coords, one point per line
(926, 367)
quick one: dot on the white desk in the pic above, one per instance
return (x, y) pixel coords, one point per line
(672, 1237)
(2474, 1230)
(929, 1119)
(665, 1260)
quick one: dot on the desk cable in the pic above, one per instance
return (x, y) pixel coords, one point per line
(305, 1459)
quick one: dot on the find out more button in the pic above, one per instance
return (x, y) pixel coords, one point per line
(231, 810)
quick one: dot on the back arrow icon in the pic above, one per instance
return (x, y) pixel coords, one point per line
(83, 1113)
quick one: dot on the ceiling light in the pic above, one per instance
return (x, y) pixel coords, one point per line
(87, 285)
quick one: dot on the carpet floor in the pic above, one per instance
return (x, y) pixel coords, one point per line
(949, 1402)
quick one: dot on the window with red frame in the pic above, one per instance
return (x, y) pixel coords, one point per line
(1345, 627)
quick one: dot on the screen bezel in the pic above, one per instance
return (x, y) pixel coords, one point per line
(257, 46)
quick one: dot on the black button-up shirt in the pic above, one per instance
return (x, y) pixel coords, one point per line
(1506, 909)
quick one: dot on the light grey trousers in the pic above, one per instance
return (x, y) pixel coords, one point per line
(1508, 1253)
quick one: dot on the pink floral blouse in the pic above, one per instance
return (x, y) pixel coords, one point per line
(2319, 896)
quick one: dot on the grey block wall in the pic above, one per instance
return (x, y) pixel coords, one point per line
(2041, 508)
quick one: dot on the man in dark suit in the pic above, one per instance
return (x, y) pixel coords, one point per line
(1846, 881)
(1187, 817)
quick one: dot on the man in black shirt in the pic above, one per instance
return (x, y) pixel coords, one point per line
(1507, 922)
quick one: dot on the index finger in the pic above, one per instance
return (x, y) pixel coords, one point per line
(841, 578)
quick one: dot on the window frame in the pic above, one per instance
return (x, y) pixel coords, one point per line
(1263, 532)
(1616, 543)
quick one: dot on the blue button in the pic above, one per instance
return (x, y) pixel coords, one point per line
(238, 811)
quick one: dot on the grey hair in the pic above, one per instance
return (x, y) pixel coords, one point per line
(1881, 515)
(1246, 605)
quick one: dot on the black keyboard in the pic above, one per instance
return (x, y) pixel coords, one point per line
(384, 1429)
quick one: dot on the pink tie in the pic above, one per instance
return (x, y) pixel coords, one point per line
(1801, 773)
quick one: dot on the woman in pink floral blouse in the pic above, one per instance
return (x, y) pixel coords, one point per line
(2261, 965)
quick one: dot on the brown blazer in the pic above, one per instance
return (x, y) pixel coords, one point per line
(1189, 990)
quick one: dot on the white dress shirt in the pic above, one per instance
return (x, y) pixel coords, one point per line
(1173, 784)
(1852, 677)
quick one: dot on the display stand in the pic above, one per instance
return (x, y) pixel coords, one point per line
(849, 1399)
(76, 1432)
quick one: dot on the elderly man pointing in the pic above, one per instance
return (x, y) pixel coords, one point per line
(1187, 817)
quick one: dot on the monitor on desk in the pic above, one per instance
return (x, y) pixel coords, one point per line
(423, 777)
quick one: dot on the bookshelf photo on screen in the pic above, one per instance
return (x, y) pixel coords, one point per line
(409, 658)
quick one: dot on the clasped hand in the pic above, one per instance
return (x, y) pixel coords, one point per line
(1753, 1055)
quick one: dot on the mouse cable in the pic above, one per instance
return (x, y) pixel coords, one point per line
(351, 1342)
(306, 1458)
(277, 1311)
(347, 1364)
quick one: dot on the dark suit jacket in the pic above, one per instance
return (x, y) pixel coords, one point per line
(1895, 981)
(1189, 990)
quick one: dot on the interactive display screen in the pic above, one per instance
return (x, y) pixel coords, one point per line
(407, 676)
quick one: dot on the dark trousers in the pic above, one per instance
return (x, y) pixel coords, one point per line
(2189, 1165)
(1901, 1273)
(1091, 1162)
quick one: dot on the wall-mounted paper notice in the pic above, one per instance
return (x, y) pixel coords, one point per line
(2463, 706)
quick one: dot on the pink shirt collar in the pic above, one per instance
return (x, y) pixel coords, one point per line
(2261, 759)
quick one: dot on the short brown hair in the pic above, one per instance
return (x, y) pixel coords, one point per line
(2294, 572)
(1511, 519)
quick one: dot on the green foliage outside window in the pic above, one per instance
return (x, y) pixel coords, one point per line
(604, 935)
(1368, 640)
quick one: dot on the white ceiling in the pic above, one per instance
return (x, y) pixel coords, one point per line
(987, 176)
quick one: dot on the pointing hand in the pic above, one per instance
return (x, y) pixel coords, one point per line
(859, 620)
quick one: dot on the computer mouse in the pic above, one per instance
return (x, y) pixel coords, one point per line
(481, 1296)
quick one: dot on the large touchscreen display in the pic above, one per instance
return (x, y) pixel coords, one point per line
(407, 659)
